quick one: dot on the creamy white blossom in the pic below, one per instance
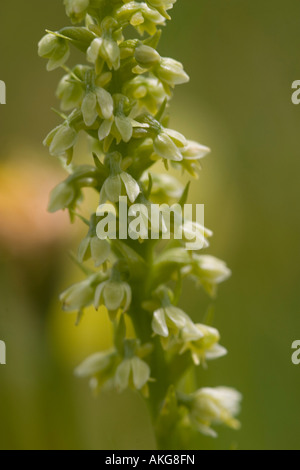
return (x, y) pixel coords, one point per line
(215, 406)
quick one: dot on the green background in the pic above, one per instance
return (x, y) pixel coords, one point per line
(242, 56)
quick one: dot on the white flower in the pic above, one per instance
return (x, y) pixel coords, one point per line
(209, 272)
(112, 188)
(168, 322)
(192, 154)
(214, 406)
(133, 373)
(202, 341)
(195, 151)
(100, 367)
(114, 295)
(78, 296)
(168, 145)
(93, 247)
(95, 364)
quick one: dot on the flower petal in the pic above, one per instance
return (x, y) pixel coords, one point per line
(140, 372)
(159, 324)
(131, 186)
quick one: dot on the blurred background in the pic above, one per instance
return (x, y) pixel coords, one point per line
(242, 57)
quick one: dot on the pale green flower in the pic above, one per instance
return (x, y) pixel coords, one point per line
(215, 406)
(71, 91)
(209, 272)
(165, 187)
(195, 235)
(162, 5)
(192, 154)
(167, 4)
(93, 247)
(171, 72)
(124, 128)
(61, 139)
(114, 295)
(147, 91)
(95, 363)
(100, 367)
(55, 49)
(112, 189)
(133, 373)
(119, 182)
(165, 146)
(78, 296)
(146, 56)
(168, 322)
(97, 103)
(202, 341)
(139, 15)
(61, 197)
(106, 49)
(195, 151)
(76, 9)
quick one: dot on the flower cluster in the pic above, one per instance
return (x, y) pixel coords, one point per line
(119, 97)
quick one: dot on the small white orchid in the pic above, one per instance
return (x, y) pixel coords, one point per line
(114, 295)
(215, 406)
(133, 373)
(202, 341)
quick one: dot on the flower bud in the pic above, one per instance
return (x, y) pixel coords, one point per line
(55, 49)
(146, 56)
(61, 197)
(70, 93)
(165, 4)
(62, 140)
(195, 151)
(171, 72)
(76, 9)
